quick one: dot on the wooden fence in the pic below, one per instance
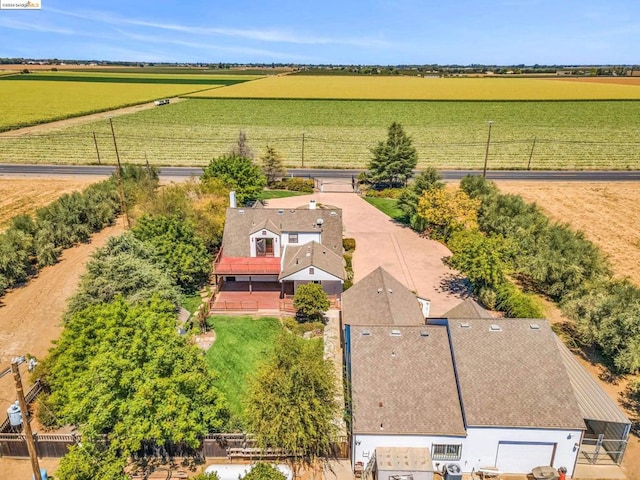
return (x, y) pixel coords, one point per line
(230, 445)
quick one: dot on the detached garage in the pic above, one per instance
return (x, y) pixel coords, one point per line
(516, 457)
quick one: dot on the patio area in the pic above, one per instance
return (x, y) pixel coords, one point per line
(243, 296)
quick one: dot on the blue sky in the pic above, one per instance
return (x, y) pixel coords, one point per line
(387, 32)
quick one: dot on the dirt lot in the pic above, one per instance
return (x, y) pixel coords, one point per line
(24, 195)
(608, 213)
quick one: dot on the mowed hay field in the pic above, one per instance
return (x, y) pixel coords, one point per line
(418, 88)
(25, 195)
(43, 97)
(608, 214)
(341, 133)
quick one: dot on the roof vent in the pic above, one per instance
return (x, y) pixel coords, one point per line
(395, 333)
(333, 214)
(390, 291)
(366, 333)
(424, 333)
(280, 212)
(241, 211)
(534, 326)
(379, 290)
(319, 221)
(465, 325)
(495, 328)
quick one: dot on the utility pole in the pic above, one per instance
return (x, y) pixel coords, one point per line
(486, 154)
(302, 149)
(31, 446)
(533, 145)
(95, 142)
(123, 200)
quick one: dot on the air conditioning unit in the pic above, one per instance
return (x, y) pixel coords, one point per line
(452, 471)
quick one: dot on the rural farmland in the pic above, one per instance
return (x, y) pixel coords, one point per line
(418, 88)
(45, 96)
(340, 133)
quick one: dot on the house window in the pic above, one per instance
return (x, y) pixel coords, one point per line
(445, 452)
(293, 238)
(311, 270)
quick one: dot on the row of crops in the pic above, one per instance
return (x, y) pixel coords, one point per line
(324, 133)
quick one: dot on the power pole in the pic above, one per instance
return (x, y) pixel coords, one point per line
(533, 145)
(123, 200)
(95, 142)
(486, 154)
(31, 445)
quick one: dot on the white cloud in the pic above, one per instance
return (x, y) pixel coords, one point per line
(275, 35)
(29, 26)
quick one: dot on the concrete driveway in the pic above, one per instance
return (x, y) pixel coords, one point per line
(412, 259)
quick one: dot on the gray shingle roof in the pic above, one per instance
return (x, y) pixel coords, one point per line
(240, 222)
(403, 383)
(312, 254)
(468, 308)
(380, 299)
(512, 375)
(594, 402)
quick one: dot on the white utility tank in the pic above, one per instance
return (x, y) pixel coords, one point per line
(14, 414)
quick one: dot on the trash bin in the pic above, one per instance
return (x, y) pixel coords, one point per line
(43, 474)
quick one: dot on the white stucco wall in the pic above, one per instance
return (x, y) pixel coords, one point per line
(302, 238)
(266, 234)
(304, 275)
(479, 448)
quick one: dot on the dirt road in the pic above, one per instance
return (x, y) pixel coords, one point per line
(68, 122)
(30, 316)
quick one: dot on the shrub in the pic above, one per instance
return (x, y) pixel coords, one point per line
(294, 184)
(517, 304)
(311, 301)
(349, 244)
(384, 193)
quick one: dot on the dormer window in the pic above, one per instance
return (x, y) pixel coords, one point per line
(293, 238)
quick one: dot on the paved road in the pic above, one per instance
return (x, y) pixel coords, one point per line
(185, 172)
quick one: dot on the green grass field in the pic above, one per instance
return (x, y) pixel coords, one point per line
(569, 135)
(388, 206)
(268, 194)
(241, 344)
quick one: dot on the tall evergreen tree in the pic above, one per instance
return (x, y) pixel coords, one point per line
(393, 160)
(272, 165)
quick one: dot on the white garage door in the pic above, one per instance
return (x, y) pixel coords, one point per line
(516, 457)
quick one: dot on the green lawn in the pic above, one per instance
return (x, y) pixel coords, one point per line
(241, 344)
(388, 206)
(191, 302)
(267, 194)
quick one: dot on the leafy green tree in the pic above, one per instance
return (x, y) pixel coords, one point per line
(123, 370)
(89, 461)
(478, 257)
(607, 315)
(408, 199)
(272, 165)
(237, 173)
(176, 248)
(291, 402)
(311, 301)
(394, 159)
(446, 210)
(264, 471)
(124, 267)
